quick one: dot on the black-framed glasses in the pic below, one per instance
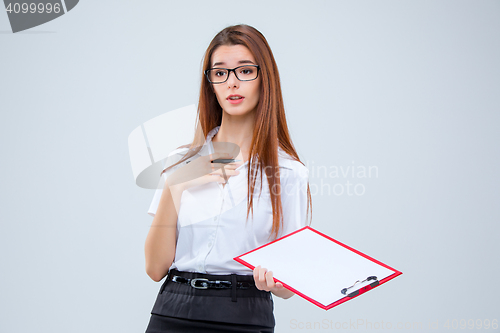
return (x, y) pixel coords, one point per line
(242, 73)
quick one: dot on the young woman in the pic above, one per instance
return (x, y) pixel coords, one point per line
(207, 213)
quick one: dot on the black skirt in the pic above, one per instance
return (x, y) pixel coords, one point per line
(181, 308)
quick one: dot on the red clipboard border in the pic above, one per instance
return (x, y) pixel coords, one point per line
(340, 301)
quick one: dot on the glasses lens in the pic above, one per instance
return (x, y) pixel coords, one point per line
(246, 73)
(217, 75)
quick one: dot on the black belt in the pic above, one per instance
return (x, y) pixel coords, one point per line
(199, 283)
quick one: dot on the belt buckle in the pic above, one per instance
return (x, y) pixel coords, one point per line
(193, 283)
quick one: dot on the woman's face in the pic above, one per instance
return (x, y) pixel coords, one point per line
(231, 56)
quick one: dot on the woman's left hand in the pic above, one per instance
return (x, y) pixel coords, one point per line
(264, 281)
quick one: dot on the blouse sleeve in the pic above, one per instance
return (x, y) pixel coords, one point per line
(172, 158)
(294, 200)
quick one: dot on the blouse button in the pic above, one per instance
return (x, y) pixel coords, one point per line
(215, 218)
(209, 244)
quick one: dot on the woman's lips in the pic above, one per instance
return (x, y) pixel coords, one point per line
(233, 100)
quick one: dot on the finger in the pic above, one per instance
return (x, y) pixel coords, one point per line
(269, 279)
(262, 272)
(236, 163)
(227, 172)
(229, 167)
(256, 273)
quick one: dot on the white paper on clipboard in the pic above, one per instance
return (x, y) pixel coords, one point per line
(316, 266)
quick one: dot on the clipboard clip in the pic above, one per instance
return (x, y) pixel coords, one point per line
(356, 293)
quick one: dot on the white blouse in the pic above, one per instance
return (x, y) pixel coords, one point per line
(211, 228)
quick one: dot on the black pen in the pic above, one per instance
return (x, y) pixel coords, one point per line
(222, 160)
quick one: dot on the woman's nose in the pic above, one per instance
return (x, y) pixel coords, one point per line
(232, 80)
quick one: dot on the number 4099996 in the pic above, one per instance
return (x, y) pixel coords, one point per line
(32, 8)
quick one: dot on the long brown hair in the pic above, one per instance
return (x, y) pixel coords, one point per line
(270, 128)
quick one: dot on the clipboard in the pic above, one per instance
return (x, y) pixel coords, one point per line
(319, 268)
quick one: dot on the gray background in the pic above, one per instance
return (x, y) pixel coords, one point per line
(411, 87)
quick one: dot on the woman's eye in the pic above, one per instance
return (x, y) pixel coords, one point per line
(246, 71)
(220, 73)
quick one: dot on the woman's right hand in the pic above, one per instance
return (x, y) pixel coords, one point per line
(201, 171)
